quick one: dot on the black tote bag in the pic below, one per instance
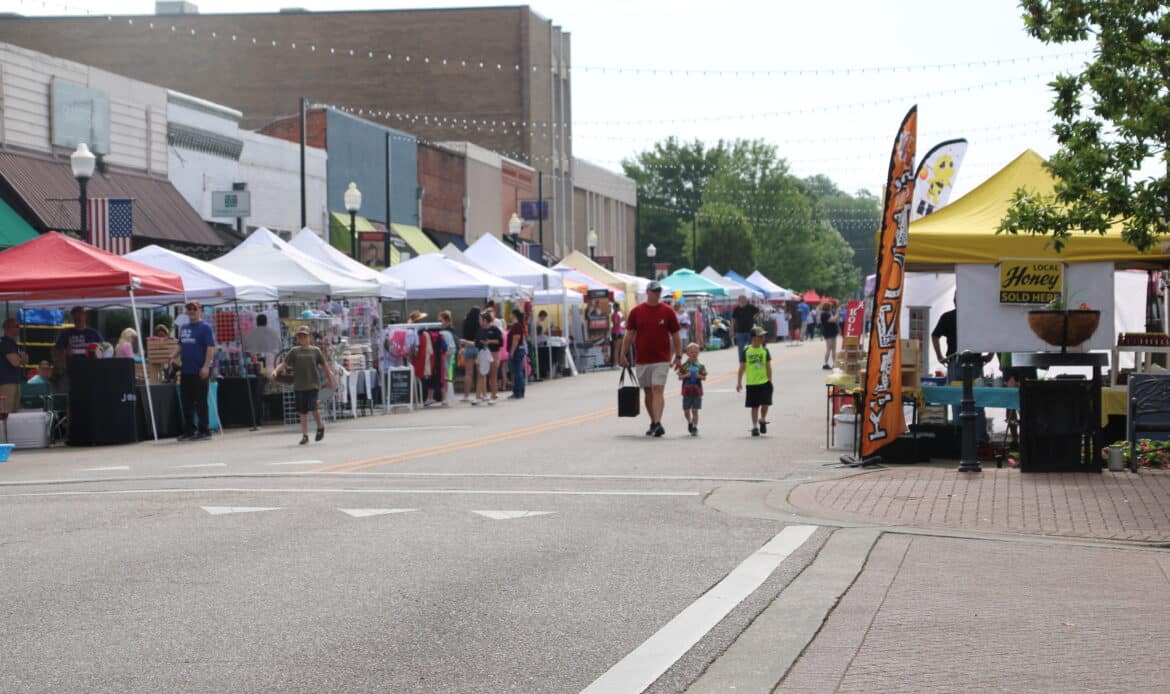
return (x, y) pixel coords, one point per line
(628, 398)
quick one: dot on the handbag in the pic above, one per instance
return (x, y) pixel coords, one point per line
(628, 396)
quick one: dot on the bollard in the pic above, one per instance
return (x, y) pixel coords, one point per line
(968, 459)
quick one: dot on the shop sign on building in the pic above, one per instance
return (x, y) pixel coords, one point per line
(1030, 282)
(231, 203)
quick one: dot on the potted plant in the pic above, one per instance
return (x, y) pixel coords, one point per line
(1063, 327)
(1150, 453)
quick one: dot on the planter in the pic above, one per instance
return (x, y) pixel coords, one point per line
(1064, 328)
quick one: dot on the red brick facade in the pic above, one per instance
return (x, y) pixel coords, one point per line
(519, 184)
(290, 128)
(443, 175)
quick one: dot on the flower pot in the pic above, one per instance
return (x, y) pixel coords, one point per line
(1116, 460)
(1064, 328)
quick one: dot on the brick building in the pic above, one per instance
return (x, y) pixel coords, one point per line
(497, 77)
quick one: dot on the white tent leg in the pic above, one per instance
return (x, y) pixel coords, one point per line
(145, 365)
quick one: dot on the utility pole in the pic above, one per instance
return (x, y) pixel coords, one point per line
(304, 205)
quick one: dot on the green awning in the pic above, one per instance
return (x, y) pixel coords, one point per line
(340, 237)
(415, 238)
(13, 229)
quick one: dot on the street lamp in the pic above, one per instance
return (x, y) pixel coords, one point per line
(651, 251)
(515, 224)
(591, 242)
(82, 161)
(353, 203)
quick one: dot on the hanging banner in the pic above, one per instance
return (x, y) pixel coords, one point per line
(854, 318)
(597, 319)
(936, 177)
(882, 421)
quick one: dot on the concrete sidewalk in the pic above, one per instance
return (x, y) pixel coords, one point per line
(937, 614)
(1107, 506)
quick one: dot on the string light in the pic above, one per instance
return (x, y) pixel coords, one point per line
(479, 64)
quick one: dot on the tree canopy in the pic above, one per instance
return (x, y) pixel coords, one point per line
(746, 211)
(1113, 124)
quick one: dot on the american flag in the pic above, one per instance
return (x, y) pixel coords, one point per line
(111, 224)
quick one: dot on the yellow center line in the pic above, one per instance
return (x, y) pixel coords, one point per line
(456, 446)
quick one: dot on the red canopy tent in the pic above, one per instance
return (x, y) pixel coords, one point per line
(811, 297)
(56, 267)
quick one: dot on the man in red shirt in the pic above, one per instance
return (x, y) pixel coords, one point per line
(652, 328)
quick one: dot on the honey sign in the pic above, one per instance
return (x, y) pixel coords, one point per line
(1030, 281)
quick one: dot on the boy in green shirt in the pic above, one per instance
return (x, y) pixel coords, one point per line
(304, 360)
(757, 365)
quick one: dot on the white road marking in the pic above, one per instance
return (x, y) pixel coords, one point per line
(106, 469)
(263, 490)
(540, 476)
(182, 467)
(367, 512)
(511, 515)
(299, 462)
(222, 510)
(647, 662)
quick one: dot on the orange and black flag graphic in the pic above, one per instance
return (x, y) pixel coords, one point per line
(882, 419)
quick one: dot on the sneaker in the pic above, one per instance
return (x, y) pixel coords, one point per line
(490, 402)
(513, 397)
(651, 430)
(185, 437)
(694, 428)
(826, 367)
(475, 402)
(464, 399)
(202, 436)
(658, 430)
(763, 427)
(304, 439)
(320, 434)
(755, 431)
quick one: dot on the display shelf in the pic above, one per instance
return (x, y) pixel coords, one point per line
(1141, 365)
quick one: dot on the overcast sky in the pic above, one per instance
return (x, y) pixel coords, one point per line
(969, 66)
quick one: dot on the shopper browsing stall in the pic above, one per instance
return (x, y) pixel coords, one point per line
(11, 366)
(305, 360)
(517, 353)
(194, 355)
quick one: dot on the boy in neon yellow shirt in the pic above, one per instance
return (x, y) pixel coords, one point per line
(757, 366)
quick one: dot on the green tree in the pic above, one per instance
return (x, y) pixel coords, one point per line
(1114, 124)
(671, 177)
(725, 239)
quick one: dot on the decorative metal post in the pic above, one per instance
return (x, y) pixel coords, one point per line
(968, 458)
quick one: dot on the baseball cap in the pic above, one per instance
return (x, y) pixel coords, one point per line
(193, 305)
(758, 331)
(654, 286)
(304, 330)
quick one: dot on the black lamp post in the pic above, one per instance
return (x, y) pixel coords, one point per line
(353, 203)
(969, 362)
(591, 242)
(82, 161)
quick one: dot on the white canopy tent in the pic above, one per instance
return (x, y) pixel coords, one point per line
(204, 282)
(734, 289)
(578, 276)
(773, 290)
(295, 274)
(548, 285)
(310, 243)
(639, 282)
(502, 288)
(435, 276)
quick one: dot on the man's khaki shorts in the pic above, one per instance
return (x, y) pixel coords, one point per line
(652, 374)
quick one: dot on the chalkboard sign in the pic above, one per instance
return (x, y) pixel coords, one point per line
(400, 386)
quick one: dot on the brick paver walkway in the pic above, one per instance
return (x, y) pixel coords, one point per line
(931, 614)
(1109, 506)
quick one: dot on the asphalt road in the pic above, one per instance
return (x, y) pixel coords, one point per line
(531, 546)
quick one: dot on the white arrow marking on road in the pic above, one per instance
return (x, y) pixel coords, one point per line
(511, 515)
(366, 512)
(180, 467)
(106, 469)
(656, 655)
(221, 510)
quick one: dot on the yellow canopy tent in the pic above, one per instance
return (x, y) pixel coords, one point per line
(964, 231)
(582, 263)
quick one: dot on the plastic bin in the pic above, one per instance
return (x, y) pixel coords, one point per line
(5, 449)
(844, 431)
